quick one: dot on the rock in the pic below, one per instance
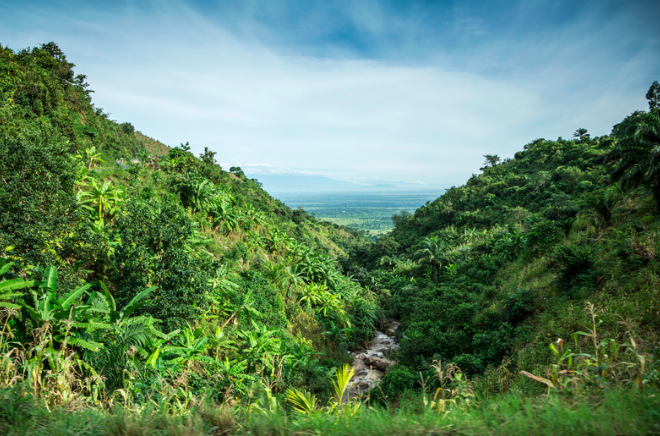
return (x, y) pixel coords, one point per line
(377, 354)
(363, 385)
(371, 364)
(378, 363)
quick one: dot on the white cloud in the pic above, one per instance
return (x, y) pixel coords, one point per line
(179, 76)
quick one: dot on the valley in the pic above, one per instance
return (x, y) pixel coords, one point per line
(370, 212)
(175, 296)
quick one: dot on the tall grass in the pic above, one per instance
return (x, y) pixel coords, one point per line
(615, 412)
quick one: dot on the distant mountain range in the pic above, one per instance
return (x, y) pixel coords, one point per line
(276, 184)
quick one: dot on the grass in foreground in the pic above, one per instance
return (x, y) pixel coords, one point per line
(615, 412)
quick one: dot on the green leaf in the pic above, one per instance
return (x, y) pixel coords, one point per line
(5, 267)
(95, 325)
(134, 304)
(89, 345)
(13, 284)
(50, 278)
(33, 314)
(344, 376)
(302, 402)
(108, 297)
(153, 358)
(68, 300)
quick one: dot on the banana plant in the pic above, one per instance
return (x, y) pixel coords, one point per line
(234, 372)
(89, 157)
(261, 347)
(122, 329)
(7, 286)
(47, 307)
(63, 314)
(121, 316)
(191, 345)
(246, 307)
(158, 345)
(106, 198)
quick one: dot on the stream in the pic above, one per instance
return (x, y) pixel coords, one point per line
(371, 364)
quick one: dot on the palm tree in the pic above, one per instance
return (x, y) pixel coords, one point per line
(638, 152)
(432, 251)
(581, 133)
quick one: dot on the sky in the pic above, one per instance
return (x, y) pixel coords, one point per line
(363, 91)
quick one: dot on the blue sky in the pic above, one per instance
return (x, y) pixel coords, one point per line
(414, 91)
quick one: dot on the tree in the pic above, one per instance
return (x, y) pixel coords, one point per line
(127, 128)
(491, 160)
(638, 152)
(37, 202)
(432, 251)
(653, 96)
(581, 133)
(208, 157)
(155, 252)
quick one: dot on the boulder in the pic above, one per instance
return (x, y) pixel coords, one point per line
(378, 363)
(378, 354)
(363, 385)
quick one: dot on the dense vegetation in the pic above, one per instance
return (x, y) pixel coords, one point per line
(145, 290)
(131, 266)
(561, 238)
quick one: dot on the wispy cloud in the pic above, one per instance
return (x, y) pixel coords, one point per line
(387, 103)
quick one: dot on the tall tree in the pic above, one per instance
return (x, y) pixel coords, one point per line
(432, 251)
(653, 96)
(491, 160)
(638, 152)
(581, 133)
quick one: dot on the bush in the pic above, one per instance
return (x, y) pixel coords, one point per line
(577, 267)
(518, 306)
(397, 380)
(155, 251)
(469, 364)
(543, 236)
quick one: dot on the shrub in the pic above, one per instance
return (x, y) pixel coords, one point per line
(543, 236)
(469, 363)
(397, 380)
(577, 267)
(155, 251)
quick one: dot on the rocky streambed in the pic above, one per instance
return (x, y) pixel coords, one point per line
(371, 364)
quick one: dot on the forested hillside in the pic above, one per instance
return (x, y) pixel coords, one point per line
(149, 264)
(146, 290)
(533, 249)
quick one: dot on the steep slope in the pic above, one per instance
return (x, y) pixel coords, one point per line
(176, 267)
(490, 273)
